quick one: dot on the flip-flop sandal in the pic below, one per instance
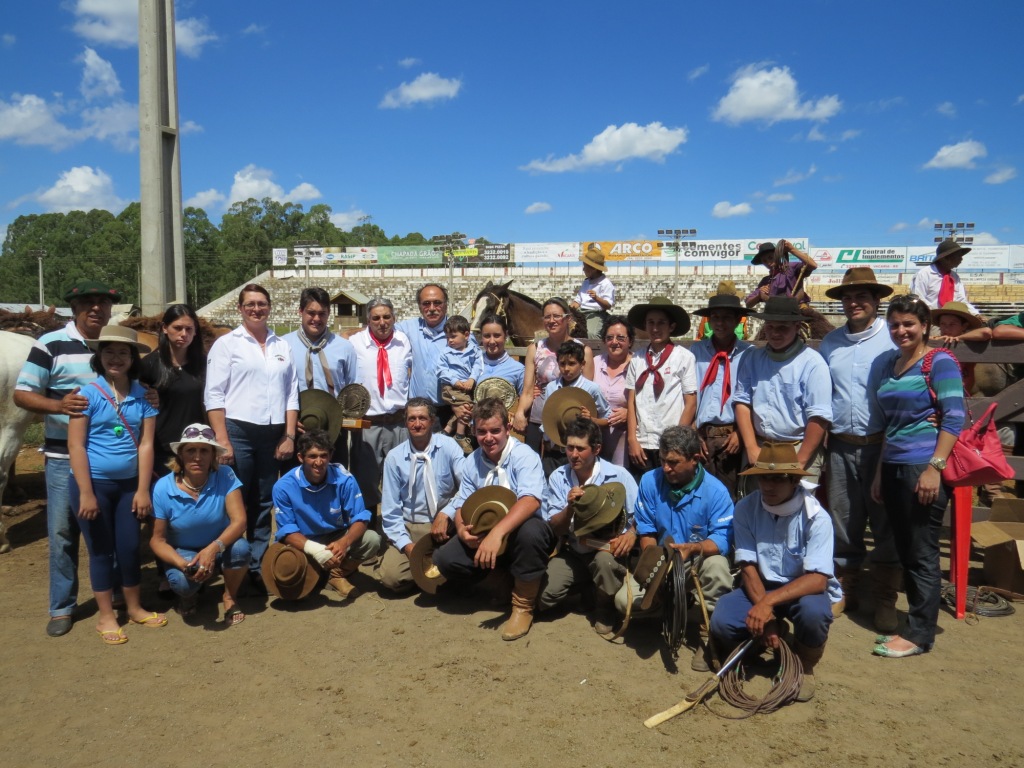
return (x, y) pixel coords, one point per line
(112, 636)
(154, 620)
(233, 616)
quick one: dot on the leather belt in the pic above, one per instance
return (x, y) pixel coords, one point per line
(874, 439)
(387, 419)
(717, 430)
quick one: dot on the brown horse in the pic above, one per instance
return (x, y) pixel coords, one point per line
(523, 314)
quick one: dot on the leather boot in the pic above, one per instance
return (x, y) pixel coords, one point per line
(338, 579)
(849, 580)
(809, 658)
(524, 597)
(885, 582)
(605, 616)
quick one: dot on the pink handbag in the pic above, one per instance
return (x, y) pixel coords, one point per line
(977, 456)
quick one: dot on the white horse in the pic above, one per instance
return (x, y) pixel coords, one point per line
(13, 420)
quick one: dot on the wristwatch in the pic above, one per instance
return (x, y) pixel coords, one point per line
(937, 463)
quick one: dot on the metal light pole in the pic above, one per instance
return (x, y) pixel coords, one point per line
(950, 231)
(306, 245)
(446, 245)
(677, 243)
(39, 253)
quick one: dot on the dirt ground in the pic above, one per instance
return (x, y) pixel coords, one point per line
(386, 681)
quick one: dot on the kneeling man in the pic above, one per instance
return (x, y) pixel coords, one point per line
(501, 460)
(319, 510)
(784, 547)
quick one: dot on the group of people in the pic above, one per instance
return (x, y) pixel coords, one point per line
(593, 465)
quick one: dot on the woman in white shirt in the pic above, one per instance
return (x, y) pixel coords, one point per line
(252, 401)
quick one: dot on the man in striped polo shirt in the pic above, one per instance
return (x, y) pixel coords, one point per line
(49, 383)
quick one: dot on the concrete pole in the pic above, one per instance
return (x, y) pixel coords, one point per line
(163, 253)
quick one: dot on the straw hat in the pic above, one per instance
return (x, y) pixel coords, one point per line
(117, 334)
(725, 288)
(318, 410)
(776, 459)
(421, 566)
(859, 277)
(637, 315)
(562, 408)
(287, 573)
(598, 507)
(485, 508)
(198, 434)
(594, 257)
(958, 309)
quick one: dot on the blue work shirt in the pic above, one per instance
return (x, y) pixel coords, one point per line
(564, 479)
(710, 410)
(427, 345)
(525, 474)
(506, 368)
(341, 357)
(705, 513)
(300, 507)
(194, 524)
(849, 357)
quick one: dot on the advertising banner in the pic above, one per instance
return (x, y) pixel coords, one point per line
(547, 253)
(316, 257)
(408, 254)
(335, 256)
(706, 252)
(279, 257)
(842, 258)
(800, 243)
(489, 253)
(1016, 258)
(987, 257)
(626, 250)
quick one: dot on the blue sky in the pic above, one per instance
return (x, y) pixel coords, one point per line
(851, 123)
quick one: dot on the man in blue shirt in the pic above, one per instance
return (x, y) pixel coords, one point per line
(682, 500)
(784, 551)
(428, 340)
(855, 444)
(319, 510)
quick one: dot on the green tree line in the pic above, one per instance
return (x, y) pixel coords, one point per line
(101, 246)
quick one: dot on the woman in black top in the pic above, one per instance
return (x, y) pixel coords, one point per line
(177, 371)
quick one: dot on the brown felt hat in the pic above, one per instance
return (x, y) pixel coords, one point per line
(727, 301)
(778, 250)
(594, 257)
(318, 410)
(776, 459)
(485, 508)
(650, 572)
(637, 314)
(859, 277)
(287, 573)
(421, 565)
(958, 309)
(780, 309)
(949, 247)
(562, 408)
(598, 507)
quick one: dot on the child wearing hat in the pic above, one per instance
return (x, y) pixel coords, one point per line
(570, 367)
(596, 295)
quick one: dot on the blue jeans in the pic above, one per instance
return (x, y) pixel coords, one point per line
(811, 616)
(236, 555)
(113, 536)
(257, 471)
(851, 470)
(62, 532)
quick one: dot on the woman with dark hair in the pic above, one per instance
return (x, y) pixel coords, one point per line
(177, 371)
(924, 415)
(110, 446)
(497, 362)
(610, 375)
(542, 368)
(252, 402)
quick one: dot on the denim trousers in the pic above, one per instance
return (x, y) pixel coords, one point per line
(811, 616)
(915, 529)
(63, 534)
(113, 536)
(235, 555)
(257, 471)
(851, 470)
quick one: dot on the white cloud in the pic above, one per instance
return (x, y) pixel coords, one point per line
(304, 191)
(99, 81)
(427, 87)
(927, 223)
(850, 133)
(190, 126)
(961, 155)
(1001, 176)
(117, 123)
(116, 23)
(256, 183)
(81, 189)
(616, 144)
(779, 197)
(538, 208)
(986, 238)
(1020, 100)
(209, 200)
(947, 108)
(255, 29)
(795, 177)
(410, 61)
(815, 134)
(8, 40)
(698, 72)
(347, 219)
(899, 226)
(771, 95)
(725, 209)
(29, 120)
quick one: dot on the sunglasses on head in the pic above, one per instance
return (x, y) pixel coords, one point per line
(191, 433)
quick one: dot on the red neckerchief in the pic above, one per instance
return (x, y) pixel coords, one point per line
(383, 365)
(659, 382)
(946, 289)
(721, 357)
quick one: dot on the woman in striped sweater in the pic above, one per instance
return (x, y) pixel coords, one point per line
(924, 416)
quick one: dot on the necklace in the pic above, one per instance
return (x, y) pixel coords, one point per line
(191, 487)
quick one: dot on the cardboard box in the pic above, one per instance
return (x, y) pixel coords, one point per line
(1001, 538)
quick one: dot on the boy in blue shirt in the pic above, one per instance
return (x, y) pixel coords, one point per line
(458, 370)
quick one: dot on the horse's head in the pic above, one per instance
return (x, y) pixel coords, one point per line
(493, 299)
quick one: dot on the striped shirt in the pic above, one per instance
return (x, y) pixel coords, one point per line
(57, 363)
(906, 404)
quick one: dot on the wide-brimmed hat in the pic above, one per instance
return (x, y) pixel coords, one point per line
(485, 508)
(91, 288)
(287, 573)
(594, 257)
(650, 572)
(959, 309)
(562, 408)
(725, 288)
(637, 315)
(495, 386)
(318, 410)
(776, 459)
(198, 434)
(598, 507)
(859, 277)
(777, 250)
(354, 400)
(727, 301)
(421, 565)
(780, 309)
(117, 334)
(949, 247)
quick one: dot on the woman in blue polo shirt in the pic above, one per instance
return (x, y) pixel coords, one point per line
(200, 522)
(110, 446)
